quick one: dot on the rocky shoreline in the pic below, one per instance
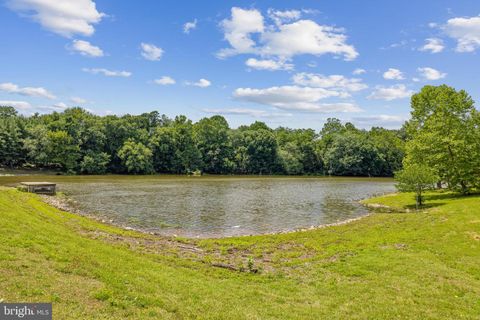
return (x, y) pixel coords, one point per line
(65, 204)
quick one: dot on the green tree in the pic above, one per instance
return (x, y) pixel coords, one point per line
(36, 145)
(62, 150)
(256, 151)
(351, 154)
(163, 146)
(136, 157)
(390, 148)
(11, 146)
(213, 142)
(94, 163)
(290, 158)
(416, 178)
(443, 134)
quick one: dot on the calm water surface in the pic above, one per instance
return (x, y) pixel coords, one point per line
(218, 206)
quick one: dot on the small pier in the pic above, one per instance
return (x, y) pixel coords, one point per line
(40, 187)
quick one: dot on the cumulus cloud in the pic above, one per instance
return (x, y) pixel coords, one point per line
(395, 92)
(306, 37)
(238, 29)
(295, 98)
(337, 82)
(393, 74)
(433, 45)
(108, 73)
(431, 74)
(189, 26)
(165, 80)
(26, 91)
(359, 71)
(151, 52)
(66, 17)
(85, 48)
(202, 83)
(78, 100)
(283, 40)
(280, 17)
(268, 64)
(247, 112)
(466, 31)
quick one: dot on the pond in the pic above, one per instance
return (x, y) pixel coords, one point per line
(218, 206)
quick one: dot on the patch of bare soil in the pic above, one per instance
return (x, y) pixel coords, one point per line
(234, 259)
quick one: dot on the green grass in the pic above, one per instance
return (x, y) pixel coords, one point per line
(416, 265)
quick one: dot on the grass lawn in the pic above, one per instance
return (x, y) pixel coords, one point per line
(416, 265)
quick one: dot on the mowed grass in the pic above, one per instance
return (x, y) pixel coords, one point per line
(416, 265)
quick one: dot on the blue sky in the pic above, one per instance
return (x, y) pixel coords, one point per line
(286, 63)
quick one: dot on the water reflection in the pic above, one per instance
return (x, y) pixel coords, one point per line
(220, 206)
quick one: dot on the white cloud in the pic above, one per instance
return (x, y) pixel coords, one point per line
(78, 100)
(283, 40)
(337, 82)
(359, 71)
(393, 74)
(431, 74)
(202, 83)
(295, 98)
(281, 17)
(382, 120)
(26, 91)
(26, 106)
(85, 48)
(165, 80)
(398, 91)
(108, 73)
(151, 52)
(466, 31)
(60, 106)
(237, 31)
(66, 17)
(434, 45)
(248, 112)
(268, 64)
(306, 37)
(22, 105)
(189, 26)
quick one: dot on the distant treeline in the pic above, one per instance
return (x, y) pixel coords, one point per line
(76, 141)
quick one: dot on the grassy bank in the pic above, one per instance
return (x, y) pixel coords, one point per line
(423, 265)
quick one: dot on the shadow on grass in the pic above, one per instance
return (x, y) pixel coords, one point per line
(448, 196)
(425, 206)
(432, 199)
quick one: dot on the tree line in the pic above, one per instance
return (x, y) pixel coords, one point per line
(76, 141)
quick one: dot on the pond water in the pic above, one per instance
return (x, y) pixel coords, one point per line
(218, 206)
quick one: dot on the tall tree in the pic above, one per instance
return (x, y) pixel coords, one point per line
(136, 157)
(62, 150)
(11, 146)
(212, 138)
(256, 151)
(443, 134)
